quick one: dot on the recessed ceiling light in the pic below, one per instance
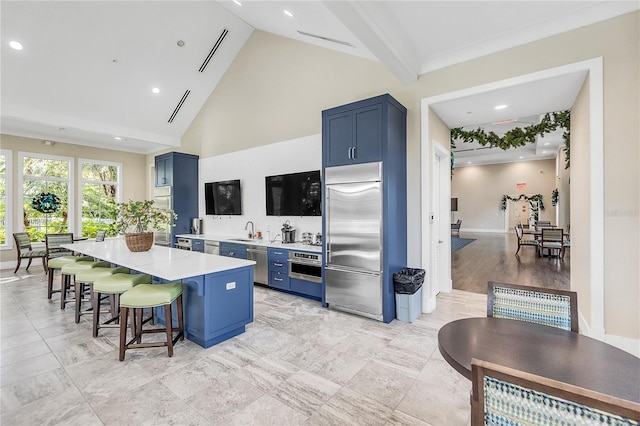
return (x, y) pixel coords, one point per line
(155, 90)
(503, 106)
(520, 157)
(289, 14)
(118, 138)
(15, 45)
(468, 162)
(237, 2)
(546, 143)
(544, 152)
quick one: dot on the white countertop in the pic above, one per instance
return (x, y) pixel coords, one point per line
(164, 262)
(244, 240)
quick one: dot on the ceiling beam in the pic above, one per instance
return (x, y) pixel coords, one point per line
(364, 20)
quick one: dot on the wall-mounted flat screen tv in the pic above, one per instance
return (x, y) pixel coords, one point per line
(223, 198)
(294, 194)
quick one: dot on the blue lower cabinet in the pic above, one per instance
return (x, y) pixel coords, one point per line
(197, 245)
(239, 251)
(216, 306)
(279, 280)
(307, 288)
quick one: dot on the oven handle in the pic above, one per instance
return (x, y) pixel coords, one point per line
(305, 262)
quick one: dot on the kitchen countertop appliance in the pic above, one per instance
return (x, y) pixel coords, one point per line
(353, 238)
(196, 225)
(288, 233)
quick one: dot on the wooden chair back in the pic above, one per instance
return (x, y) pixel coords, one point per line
(546, 306)
(53, 243)
(502, 395)
(552, 234)
(23, 243)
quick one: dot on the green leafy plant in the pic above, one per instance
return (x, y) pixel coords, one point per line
(554, 197)
(141, 216)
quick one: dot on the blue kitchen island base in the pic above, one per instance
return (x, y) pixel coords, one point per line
(217, 306)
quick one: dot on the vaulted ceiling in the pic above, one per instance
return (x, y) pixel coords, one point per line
(87, 70)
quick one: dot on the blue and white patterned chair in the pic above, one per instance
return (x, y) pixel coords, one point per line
(504, 396)
(555, 308)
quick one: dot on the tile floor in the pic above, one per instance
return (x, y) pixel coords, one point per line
(296, 364)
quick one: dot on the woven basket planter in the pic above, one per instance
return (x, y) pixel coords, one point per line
(139, 242)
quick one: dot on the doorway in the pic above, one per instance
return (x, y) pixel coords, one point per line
(594, 230)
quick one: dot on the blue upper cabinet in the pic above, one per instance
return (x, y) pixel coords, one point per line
(164, 170)
(354, 133)
(180, 171)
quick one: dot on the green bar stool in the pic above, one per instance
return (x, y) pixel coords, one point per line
(70, 270)
(84, 283)
(57, 263)
(113, 286)
(149, 296)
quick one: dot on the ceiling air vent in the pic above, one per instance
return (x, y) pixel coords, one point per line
(213, 50)
(175, 111)
(332, 40)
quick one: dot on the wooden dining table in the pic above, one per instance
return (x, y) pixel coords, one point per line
(546, 351)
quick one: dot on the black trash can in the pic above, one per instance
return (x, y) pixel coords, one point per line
(407, 284)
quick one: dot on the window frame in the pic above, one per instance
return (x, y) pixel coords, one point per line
(9, 206)
(70, 181)
(82, 181)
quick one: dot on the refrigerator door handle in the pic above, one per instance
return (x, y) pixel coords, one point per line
(361, 272)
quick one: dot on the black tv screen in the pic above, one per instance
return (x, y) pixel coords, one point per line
(294, 194)
(223, 198)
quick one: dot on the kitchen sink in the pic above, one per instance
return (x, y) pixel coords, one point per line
(246, 240)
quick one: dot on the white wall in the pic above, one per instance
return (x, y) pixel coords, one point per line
(479, 190)
(251, 166)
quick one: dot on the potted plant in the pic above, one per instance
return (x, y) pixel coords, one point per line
(137, 219)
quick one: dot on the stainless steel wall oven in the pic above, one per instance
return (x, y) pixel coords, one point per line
(305, 266)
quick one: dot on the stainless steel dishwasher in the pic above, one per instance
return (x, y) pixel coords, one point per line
(261, 270)
(212, 247)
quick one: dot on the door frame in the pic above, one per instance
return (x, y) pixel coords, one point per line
(595, 186)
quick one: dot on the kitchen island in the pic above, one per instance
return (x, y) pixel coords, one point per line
(217, 291)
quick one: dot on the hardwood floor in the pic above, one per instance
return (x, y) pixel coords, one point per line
(491, 258)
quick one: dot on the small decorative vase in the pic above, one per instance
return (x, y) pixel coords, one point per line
(139, 242)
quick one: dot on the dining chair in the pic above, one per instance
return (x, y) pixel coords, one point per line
(455, 227)
(57, 256)
(503, 395)
(25, 251)
(546, 306)
(543, 223)
(524, 242)
(552, 239)
(100, 235)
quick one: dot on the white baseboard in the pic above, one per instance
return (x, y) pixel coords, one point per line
(625, 343)
(11, 264)
(499, 231)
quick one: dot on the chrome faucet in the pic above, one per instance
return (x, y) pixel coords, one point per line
(252, 233)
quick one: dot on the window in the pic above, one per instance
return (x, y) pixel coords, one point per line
(46, 185)
(99, 193)
(5, 198)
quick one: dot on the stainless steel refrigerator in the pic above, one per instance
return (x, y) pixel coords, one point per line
(353, 226)
(163, 200)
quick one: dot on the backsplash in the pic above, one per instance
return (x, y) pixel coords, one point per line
(251, 166)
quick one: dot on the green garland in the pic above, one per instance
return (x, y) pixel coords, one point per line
(535, 203)
(520, 136)
(554, 197)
